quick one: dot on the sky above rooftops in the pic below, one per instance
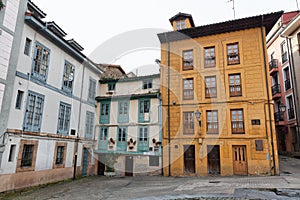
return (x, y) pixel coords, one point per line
(124, 32)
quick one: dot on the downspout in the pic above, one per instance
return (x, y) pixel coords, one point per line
(294, 86)
(268, 95)
(169, 123)
(160, 130)
(79, 120)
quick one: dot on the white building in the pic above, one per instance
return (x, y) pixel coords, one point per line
(48, 110)
(130, 124)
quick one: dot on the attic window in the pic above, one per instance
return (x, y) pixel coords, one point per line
(180, 24)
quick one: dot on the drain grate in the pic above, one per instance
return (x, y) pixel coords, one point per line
(214, 181)
(284, 172)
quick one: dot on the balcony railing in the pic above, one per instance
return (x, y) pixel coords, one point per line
(291, 113)
(273, 64)
(237, 127)
(279, 116)
(235, 90)
(188, 94)
(287, 84)
(212, 127)
(275, 89)
(284, 57)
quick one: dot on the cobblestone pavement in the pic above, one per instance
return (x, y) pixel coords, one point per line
(285, 186)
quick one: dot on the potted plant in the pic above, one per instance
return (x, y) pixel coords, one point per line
(110, 160)
(1, 5)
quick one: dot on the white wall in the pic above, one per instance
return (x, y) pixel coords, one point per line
(45, 155)
(11, 13)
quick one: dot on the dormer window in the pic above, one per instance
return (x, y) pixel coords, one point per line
(182, 21)
(180, 24)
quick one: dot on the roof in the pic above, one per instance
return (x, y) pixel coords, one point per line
(129, 79)
(180, 16)
(37, 11)
(290, 28)
(267, 20)
(288, 16)
(129, 96)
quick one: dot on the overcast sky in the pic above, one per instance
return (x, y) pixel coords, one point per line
(108, 29)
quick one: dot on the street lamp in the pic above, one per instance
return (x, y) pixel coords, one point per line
(198, 115)
(282, 107)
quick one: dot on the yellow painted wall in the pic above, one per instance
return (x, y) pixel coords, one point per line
(253, 101)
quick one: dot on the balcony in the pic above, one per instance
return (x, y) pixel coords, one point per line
(273, 66)
(279, 116)
(237, 127)
(291, 113)
(284, 57)
(276, 92)
(287, 84)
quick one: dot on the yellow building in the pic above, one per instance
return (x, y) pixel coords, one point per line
(217, 103)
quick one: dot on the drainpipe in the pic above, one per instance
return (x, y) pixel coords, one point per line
(169, 123)
(160, 131)
(294, 80)
(79, 120)
(268, 96)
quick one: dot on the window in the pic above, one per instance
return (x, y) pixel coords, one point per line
(188, 122)
(209, 57)
(34, 111)
(287, 79)
(233, 54)
(123, 115)
(180, 24)
(19, 99)
(237, 121)
(188, 88)
(27, 46)
(143, 144)
(147, 84)
(89, 124)
(103, 138)
(27, 155)
(111, 86)
(212, 122)
(187, 62)
(68, 78)
(92, 90)
(122, 137)
(283, 48)
(64, 118)
(144, 110)
(290, 107)
(103, 134)
(154, 161)
(235, 87)
(210, 87)
(40, 62)
(59, 155)
(259, 145)
(12, 153)
(104, 112)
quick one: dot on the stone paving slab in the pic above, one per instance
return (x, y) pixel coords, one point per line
(285, 186)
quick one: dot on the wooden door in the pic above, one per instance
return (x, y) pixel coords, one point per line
(129, 166)
(213, 159)
(189, 159)
(240, 166)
